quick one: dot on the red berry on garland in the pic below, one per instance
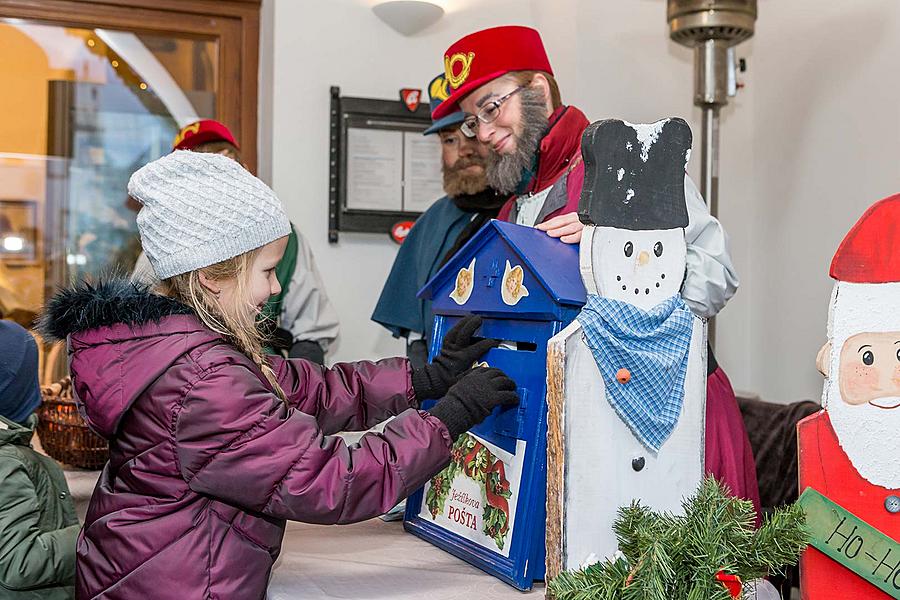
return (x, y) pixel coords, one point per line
(732, 583)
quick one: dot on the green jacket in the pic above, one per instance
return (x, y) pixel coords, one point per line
(38, 525)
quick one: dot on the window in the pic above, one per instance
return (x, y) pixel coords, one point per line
(92, 91)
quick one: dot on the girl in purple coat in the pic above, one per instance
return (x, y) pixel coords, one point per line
(213, 446)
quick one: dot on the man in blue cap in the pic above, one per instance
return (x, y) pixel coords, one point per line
(440, 231)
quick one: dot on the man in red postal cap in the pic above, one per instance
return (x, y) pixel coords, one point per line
(207, 135)
(301, 319)
(503, 79)
(850, 451)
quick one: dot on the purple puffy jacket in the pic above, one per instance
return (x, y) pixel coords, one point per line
(207, 463)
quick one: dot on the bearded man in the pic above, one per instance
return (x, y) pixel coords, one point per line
(439, 232)
(502, 79)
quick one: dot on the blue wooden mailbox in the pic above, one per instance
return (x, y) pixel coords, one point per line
(488, 506)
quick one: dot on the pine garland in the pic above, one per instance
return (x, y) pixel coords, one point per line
(664, 557)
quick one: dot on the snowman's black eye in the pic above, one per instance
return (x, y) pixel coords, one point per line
(629, 249)
(657, 249)
(868, 358)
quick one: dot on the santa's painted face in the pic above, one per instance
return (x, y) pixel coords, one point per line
(642, 268)
(862, 392)
(869, 370)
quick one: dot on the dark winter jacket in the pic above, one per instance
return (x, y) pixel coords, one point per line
(207, 463)
(38, 526)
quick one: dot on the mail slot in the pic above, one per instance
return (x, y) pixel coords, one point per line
(527, 287)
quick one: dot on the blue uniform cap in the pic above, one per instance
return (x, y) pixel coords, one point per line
(438, 91)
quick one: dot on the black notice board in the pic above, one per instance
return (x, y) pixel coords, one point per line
(350, 116)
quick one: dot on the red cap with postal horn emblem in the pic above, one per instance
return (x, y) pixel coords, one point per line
(201, 132)
(485, 55)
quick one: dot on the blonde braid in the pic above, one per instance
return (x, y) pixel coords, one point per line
(235, 323)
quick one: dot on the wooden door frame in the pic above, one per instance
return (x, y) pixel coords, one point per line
(234, 23)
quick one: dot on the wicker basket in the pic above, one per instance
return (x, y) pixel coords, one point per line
(64, 434)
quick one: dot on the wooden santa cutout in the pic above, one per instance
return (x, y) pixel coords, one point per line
(850, 452)
(627, 379)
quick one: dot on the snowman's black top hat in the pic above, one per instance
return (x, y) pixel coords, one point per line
(634, 174)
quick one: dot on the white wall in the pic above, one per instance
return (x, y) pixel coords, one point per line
(806, 146)
(826, 122)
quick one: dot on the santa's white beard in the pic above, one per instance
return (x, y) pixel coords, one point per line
(869, 435)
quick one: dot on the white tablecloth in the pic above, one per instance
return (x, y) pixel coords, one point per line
(376, 560)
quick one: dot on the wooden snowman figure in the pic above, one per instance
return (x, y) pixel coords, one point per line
(850, 452)
(627, 379)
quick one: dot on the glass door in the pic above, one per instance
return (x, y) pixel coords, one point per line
(88, 99)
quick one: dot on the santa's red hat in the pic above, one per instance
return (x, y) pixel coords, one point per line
(870, 252)
(488, 54)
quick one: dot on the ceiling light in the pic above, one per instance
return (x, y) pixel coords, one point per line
(408, 16)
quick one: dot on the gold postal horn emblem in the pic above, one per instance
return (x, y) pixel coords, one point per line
(192, 129)
(439, 89)
(457, 68)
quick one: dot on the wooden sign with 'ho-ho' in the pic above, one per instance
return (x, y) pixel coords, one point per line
(626, 387)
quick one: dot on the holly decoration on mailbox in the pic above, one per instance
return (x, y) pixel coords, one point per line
(470, 458)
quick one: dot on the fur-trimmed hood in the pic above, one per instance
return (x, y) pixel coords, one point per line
(89, 306)
(122, 338)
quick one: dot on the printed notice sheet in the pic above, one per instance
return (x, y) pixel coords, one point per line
(422, 171)
(374, 169)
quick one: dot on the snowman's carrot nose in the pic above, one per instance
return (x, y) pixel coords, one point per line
(643, 258)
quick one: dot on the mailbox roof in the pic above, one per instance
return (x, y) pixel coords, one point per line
(553, 263)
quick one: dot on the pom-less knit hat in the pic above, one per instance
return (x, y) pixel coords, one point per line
(200, 209)
(20, 394)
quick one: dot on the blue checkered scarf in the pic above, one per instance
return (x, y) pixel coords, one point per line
(653, 345)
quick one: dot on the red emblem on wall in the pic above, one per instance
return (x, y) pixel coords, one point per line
(400, 230)
(411, 98)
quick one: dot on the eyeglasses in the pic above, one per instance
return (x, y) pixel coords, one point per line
(486, 114)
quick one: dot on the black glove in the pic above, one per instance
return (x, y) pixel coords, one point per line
(472, 399)
(458, 354)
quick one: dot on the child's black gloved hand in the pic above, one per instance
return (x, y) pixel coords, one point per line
(472, 399)
(457, 355)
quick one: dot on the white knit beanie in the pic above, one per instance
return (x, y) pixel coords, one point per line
(200, 209)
